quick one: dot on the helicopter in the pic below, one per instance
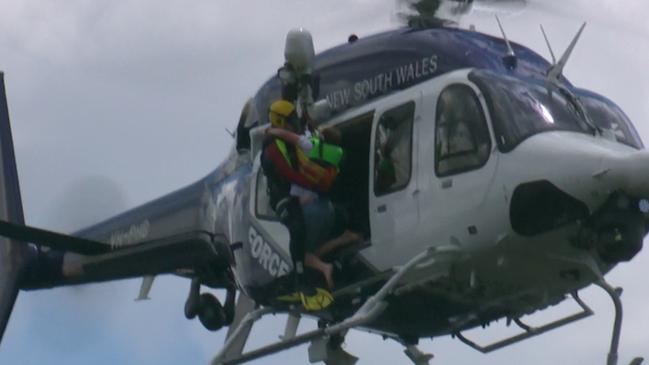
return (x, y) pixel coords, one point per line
(421, 72)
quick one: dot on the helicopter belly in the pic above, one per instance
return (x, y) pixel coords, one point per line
(519, 277)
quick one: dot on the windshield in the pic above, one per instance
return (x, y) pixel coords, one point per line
(520, 109)
(608, 116)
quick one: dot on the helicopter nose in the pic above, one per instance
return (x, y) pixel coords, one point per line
(629, 173)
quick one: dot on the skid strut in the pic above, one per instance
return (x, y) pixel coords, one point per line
(375, 305)
(617, 324)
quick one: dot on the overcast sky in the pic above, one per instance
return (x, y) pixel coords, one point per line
(115, 103)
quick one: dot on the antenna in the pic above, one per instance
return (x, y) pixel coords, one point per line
(557, 69)
(230, 132)
(510, 51)
(554, 59)
(509, 60)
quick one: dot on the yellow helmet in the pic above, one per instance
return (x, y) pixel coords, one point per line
(280, 113)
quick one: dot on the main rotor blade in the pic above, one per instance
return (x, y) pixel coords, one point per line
(13, 255)
(435, 13)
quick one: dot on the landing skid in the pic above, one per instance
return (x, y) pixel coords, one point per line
(329, 351)
(325, 342)
(530, 332)
(416, 356)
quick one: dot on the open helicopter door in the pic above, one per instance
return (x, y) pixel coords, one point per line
(458, 165)
(393, 189)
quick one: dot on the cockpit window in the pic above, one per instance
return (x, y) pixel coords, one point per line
(247, 121)
(606, 115)
(462, 140)
(520, 109)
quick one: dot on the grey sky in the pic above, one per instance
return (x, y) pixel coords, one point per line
(114, 103)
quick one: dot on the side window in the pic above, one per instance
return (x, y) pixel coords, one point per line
(262, 203)
(393, 149)
(462, 139)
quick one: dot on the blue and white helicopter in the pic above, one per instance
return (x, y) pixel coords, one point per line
(512, 189)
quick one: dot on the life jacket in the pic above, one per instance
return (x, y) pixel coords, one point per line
(320, 167)
(325, 153)
(277, 186)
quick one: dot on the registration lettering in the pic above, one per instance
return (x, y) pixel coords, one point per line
(134, 234)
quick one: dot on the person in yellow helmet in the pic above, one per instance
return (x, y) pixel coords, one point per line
(276, 161)
(296, 183)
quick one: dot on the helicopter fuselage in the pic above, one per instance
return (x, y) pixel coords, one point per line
(489, 159)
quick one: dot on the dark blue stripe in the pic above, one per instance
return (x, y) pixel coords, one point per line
(383, 53)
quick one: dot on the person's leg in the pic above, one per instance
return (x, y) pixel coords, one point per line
(340, 235)
(318, 222)
(312, 261)
(346, 238)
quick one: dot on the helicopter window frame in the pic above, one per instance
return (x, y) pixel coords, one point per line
(477, 155)
(405, 115)
(263, 210)
(607, 115)
(538, 108)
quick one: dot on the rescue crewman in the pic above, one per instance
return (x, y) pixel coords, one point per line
(277, 160)
(299, 169)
